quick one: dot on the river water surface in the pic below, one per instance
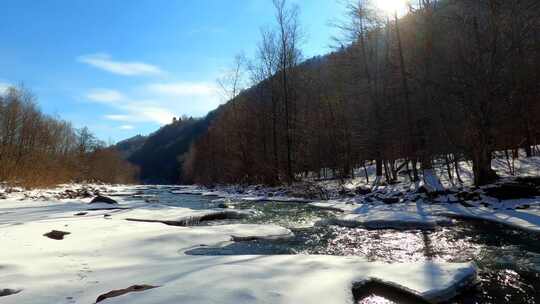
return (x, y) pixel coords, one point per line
(508, 259)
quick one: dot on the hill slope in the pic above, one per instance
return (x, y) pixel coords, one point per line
(131, 145)
(159, 154)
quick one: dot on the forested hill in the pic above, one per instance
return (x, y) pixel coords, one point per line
(131, 145)
(407, 93)
(449, 81)
(160, 155)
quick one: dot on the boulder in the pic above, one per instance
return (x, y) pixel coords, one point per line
(120, 292)
(390, 200)
(468, 196)
(362, 190)
(512, 191)
(56, 235)
(530, 180)
(466, 204)
(7, 292)
(223, 206)
(103, 199)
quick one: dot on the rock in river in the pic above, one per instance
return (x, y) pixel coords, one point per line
(103, 199)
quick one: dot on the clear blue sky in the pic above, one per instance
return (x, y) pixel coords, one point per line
(125, 67)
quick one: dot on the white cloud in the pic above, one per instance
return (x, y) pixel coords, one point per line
(184, 89)
(141, 112)
(105, 62)
(105, 96)
(157, 114)
(127, 127)
(118, 117)
(158, 102)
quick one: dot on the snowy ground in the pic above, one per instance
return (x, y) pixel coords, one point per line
(521, 167)
(401, 206)
(105, 252)
(427, 215)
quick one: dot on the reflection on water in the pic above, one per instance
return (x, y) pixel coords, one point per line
(374, 299)
(509, 260)
(503, 286)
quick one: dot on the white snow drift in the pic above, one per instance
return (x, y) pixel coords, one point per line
(107, 253)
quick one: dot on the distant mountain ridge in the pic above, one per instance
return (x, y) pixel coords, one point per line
(159, 155)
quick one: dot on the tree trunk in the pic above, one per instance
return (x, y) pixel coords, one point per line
(275, 140)
(528, 147)
(366, 172)
(483, 173)
(448, 168)
(379, 173)
(414, 170)
(456, 166)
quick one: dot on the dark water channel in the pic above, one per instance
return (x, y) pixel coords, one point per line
(508, 259)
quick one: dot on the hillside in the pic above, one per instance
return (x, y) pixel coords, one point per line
(131, 145)
(395, 95)
(159, 155)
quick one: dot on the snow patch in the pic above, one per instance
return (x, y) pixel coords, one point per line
(431, 182)
(388, 220)
(110, 254)
(335, 205)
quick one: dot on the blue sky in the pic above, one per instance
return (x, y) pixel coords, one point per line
(125, 67)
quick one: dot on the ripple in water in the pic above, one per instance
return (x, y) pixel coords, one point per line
(509, 260)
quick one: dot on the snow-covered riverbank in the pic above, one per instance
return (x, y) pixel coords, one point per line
(104, 252)
(407, 205)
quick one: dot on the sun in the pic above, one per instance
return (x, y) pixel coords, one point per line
(392, 7)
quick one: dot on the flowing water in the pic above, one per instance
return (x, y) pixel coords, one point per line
(508, 259)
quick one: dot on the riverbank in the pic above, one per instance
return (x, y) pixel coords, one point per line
(101, 251)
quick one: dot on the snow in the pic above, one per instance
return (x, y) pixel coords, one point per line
(427, 215)
(389, 220)
(500, 212)
(527, 220)
(294, 279)
(161, 213)
(279, 199)
(523, 167)
(416, 210)
(431, 181)
(335, 205)
(106, 253)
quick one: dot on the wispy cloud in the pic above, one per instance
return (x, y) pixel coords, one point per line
(141, 112)
(127, 127)
(105, 96)
(118, 117)
(157, 102)
(106, 63)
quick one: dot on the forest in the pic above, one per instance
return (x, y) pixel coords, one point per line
(38, 150)
(449, 81)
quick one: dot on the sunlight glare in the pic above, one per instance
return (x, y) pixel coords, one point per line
(390, 7)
